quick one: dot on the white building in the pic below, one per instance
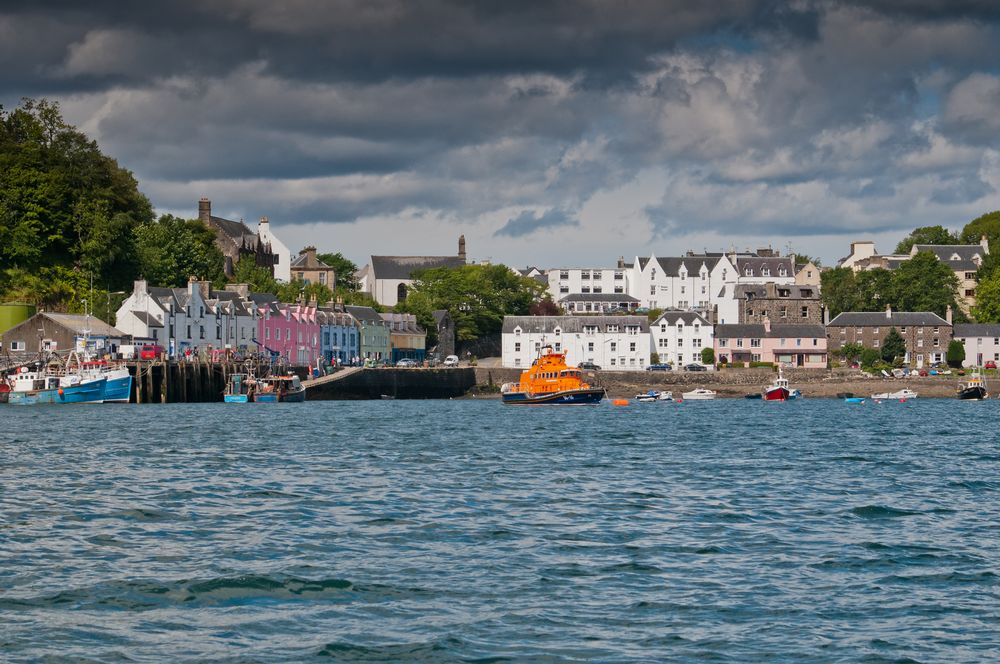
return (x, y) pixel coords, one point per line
(678, 337)
(282, 256)
(611, 342)
(981, 341)
(192, 319)
(388, 278)
(586, 281)
(702, 282)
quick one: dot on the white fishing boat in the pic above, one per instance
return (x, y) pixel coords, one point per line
(654, 395)
(700, 394)
(898, 395)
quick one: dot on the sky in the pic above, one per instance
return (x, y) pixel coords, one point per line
(549, 133)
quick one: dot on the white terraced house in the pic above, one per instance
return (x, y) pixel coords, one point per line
(679, 337)
(611, 342)
(573, 281)
(694, 282)
(981, 341)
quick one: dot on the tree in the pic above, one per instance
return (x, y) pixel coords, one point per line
(988, 225)
(707, 356)
(839, 290)
(924, 283)
(987, 309)
(802, 259)
(653, 314)
(343, 270)
(419, 304)
(893, 346)
(875, 289)
(851, 352)
(926, 235)
(545, 307)
(870, 357)
(477, 296)
(956, 353)
(171, 250)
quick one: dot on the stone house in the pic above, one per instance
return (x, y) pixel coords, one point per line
(311, 270)
(925, 334)
(780, 303)
(964, 260)
(236, 240)
(611, 342)
(808, 274)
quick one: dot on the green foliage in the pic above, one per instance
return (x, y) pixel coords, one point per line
(922, 283)
(870, 357)
(956, 353)
(851, 352)
(343, 270)
(987, 309)
(762, 365)
(420, 305)
(707, 356)
(839, 290)
(988, 267)
(654, 357)
(988, 225)
(653, 314)
(62, 202)
(893, 346)
(545, 307)
(802, 259)
(476, 296)
(926, 235)
(260, 280)
(171, 250)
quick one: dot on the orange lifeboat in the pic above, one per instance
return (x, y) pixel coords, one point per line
(550, 380)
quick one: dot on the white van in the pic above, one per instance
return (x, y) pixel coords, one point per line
(451, 361)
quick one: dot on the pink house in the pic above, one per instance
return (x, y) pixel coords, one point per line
(290, 330)
(790, 345)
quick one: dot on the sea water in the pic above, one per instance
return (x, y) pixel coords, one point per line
(469, 531)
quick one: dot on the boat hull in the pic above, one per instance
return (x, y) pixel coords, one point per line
(707, 395)
(564, 398)
(118, 388)
(776, 394)
(973, 394)
(236, 398)
(87, 392)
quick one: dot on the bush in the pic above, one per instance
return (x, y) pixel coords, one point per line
(956, 353)
(870, 357)
(762, 365)
(707, 356)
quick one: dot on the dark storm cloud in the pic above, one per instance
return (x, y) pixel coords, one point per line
(527, 223)
(794, 118)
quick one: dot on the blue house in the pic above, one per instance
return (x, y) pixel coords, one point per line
(340, 338)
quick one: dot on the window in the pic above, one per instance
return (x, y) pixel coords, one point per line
(631, 346)
(680, 343)
(902, 330)
(563, 274)
(805, 312)
(614, 347)
(201, 332)
(597, 274)
(612, 361)
(619, 289)
(755, 357)
(696, 343)
(299, 336)
(875, 344)
(19, 345)
(558, 331)
(765, 271)
(755, 343)
(564, 289)
(558, 347)
(815, 342)
(662, 342)
(598, 289)
(218, 332)
(188, 331)
(935, 330)
(970, 276)
(619, 275)
(875, 331)
(739, 343)
(322, 278)
(517, 331)
(612, 329)
(663, 327)
(288, 334)
(652, 290)
(783, 312)
(937, 343)
(267, 333)
(585, 289)
(920, 343)
(723, 342)
(798, 342)
(590, 346)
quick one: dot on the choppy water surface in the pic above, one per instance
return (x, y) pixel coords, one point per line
(443, 531)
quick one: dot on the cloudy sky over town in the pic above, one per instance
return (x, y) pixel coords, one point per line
(549, 133)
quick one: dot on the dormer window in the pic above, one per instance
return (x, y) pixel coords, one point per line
(558, 331)
(748, 272)
(782, 272)
(765, 271)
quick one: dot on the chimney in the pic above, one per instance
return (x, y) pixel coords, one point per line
(206, 289)
(826, 316)
(461, 247)
(204, 210)
(767, 325)
(310, 253)
(621, 262)
(264, 220)
(947, 314)
(984, 242)
(888, 311)
(769, 290)
(243, 290)
(139, 287)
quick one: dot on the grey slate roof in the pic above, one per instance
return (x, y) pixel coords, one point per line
(598, 297)
(957, 256)
(779, 331)
(79, 324)
(757, 264)
(364, 314)
(571, 324)
(964, 330)
(403, 267)
(880, 319)
(686, 317)
(671, 265)
(147, 319)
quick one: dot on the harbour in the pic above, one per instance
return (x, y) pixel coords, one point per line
(381, 531)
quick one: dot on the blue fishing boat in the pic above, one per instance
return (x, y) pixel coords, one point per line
(118, 385)
(237, 390)
(30, 388)
(854, 400)
(286, 389)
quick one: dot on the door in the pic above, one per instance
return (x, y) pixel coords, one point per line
(799, 360)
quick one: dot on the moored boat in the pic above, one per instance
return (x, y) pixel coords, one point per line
(237, 391)
(279, 388)
(654, 395)
(118, 385)
(779, 390)
(550, 380)
(854, 399)
(699, 394)
(900, 395)
(32, 387)
(975, 388)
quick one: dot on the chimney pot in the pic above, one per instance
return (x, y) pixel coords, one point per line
(204, 210)
(888, 311)
(948, 314)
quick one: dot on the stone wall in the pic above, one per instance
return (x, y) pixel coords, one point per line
(398, 384)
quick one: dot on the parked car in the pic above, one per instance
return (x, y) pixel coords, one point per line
(695, 367)
(150, 352)
(588, 365)
(659, 367)
(406, 362)
(990, 364)
(451, 361)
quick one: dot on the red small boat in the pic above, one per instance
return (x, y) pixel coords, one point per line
(778, 391)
